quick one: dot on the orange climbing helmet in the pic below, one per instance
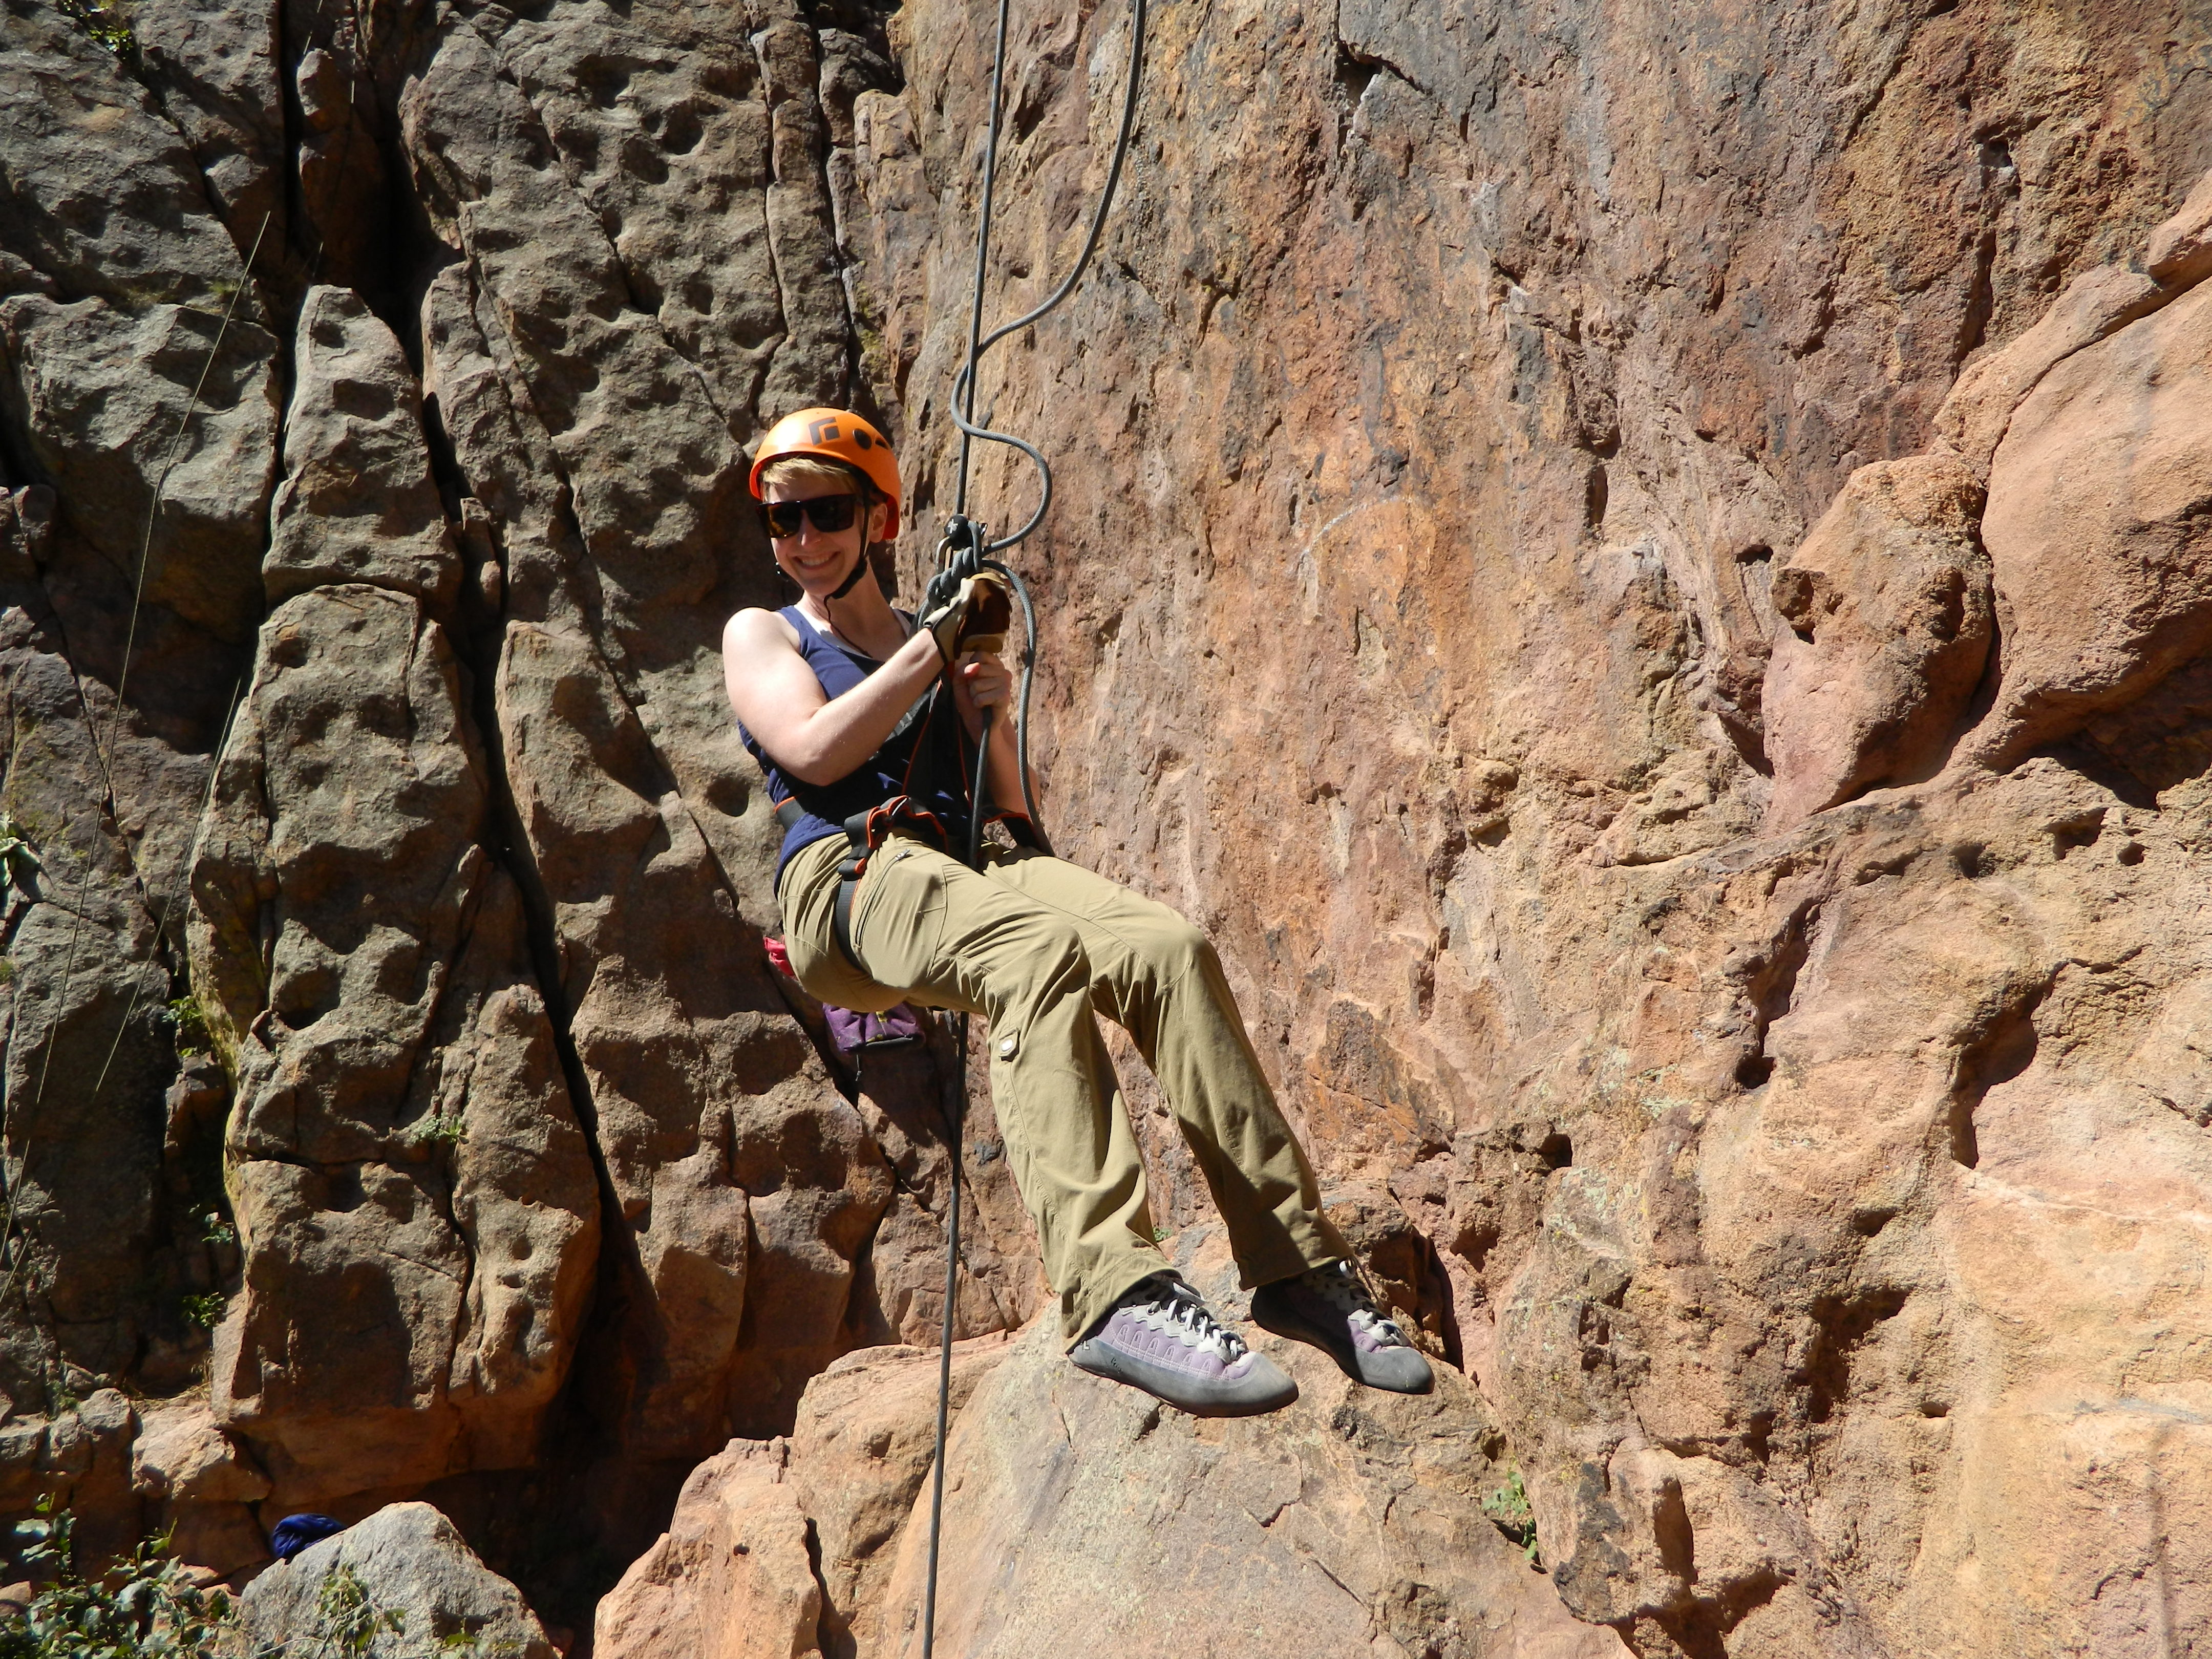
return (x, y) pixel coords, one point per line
(836, 434)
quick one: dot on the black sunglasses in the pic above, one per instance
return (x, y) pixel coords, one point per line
(830, 513)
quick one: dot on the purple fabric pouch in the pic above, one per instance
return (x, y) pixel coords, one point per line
(851, 1032)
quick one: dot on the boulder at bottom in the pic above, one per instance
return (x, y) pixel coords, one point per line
(778, 1547)
(1079, 1513)
(400, 1585)
(1082, 1515)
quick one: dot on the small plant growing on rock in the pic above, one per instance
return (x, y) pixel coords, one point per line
(346, 1620)
(18, 858)
(1508, 1507)
(145, 1606)
(470, 1644)
(440, 1131)
(106, 26)
(214, 1229)
(189, 1024)
(204, 1311)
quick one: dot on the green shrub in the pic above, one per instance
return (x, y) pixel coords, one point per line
(346, 1620)
(204, 1311)
(440, 1131)
(185, 1018)
(144, 1607)
(18, 858)
(107, 27)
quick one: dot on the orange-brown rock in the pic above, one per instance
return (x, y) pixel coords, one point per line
(860, 1458)
(1888, 605)
(2100, 528)
(784, 1547)
(1435, 448)
(2180, 250)
(1974, 417)
(204, 1487)
(730, 1579)
(1351, 1522)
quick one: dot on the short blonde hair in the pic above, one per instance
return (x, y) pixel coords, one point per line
(818, 469)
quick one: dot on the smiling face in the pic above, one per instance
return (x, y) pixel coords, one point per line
(819, 559)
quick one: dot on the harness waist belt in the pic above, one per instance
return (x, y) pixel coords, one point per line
(865, 832)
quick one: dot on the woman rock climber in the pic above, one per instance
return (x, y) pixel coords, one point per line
(827, 693)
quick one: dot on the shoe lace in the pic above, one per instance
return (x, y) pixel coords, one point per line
(1341, 1285)
(1174, 1304)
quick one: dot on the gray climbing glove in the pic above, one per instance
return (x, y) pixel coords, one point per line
(974, 619)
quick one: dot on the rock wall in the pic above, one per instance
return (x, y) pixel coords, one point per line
(1645, 573)
(376, 394)
(1618, 560)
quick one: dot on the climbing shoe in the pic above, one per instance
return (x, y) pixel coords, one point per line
(1162, 1337)
(1329, 1308)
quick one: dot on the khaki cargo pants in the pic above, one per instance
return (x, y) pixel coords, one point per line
(1038, 946)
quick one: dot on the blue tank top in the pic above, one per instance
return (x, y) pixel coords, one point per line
(893, 769)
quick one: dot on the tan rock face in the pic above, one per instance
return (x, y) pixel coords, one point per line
(113, 284)
(861, 1457)
(1350, 1524)
(400, 1097)
(204, 1485)
(1353, 1522)
(355, 414)
(1890, 625)
(730, 1579)
(1436, 447)
(1980, 406)
(2180, 250)
(2099, 528)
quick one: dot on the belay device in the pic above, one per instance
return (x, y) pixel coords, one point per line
(964, 549)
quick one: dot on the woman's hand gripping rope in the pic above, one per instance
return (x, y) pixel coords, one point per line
(974, 619)
(970, 631)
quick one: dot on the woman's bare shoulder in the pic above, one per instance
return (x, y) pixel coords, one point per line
(753, 630)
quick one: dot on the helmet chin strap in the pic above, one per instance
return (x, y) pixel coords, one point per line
(860, 568)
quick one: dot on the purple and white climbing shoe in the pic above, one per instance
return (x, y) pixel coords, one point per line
(1329, 1308)
(1162, 1337)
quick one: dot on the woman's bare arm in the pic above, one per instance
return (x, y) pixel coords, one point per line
(816, 738)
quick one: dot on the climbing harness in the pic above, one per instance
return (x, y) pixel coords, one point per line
(964, 549)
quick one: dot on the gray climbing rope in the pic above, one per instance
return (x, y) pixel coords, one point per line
(964, 549)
